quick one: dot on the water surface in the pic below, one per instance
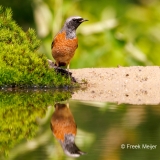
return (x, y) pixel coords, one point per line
(104, 130)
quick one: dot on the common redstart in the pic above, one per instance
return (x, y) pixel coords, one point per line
(64, 129)
(66, 42)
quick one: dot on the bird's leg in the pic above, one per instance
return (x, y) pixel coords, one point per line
(68, 70)
(70, 74)
(67, 104)
(68, 67)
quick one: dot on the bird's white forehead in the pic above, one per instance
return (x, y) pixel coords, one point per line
(73, 17)
(72, 154)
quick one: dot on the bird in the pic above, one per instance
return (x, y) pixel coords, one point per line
(65, 42)
(64, 129)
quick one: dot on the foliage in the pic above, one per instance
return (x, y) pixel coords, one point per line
(19, 112)
(22, 12)
(117, 33)
(20, 64)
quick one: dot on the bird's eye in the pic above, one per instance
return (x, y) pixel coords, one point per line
(74, 19)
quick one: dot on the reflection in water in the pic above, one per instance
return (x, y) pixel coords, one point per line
(105, 128)
(64, 129)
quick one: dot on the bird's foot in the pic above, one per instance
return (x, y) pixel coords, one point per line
(64, 72)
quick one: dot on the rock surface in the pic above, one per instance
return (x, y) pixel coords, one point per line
(132, 85)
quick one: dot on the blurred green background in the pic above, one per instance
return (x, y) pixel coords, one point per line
(124, 32)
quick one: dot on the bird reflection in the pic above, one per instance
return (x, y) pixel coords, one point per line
(64, 129)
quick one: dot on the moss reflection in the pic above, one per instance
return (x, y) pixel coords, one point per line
(19, 112)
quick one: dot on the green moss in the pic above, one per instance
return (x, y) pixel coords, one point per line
(19, 112)
(20, 63)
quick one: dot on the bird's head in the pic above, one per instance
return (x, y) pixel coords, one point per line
(69, 146)
(73, 22)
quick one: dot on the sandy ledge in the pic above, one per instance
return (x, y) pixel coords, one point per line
(133, 85)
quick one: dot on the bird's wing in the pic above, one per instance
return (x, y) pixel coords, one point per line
(51, 126)
(52, 44)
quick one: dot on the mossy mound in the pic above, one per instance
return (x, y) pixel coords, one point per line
(19, 112)
(20, 63)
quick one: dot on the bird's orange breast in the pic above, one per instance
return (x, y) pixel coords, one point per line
(62, 123)
(63, 49)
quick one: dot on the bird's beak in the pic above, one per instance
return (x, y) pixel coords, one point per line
(83, 20)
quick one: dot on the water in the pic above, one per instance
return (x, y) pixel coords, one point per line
(105, 131)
